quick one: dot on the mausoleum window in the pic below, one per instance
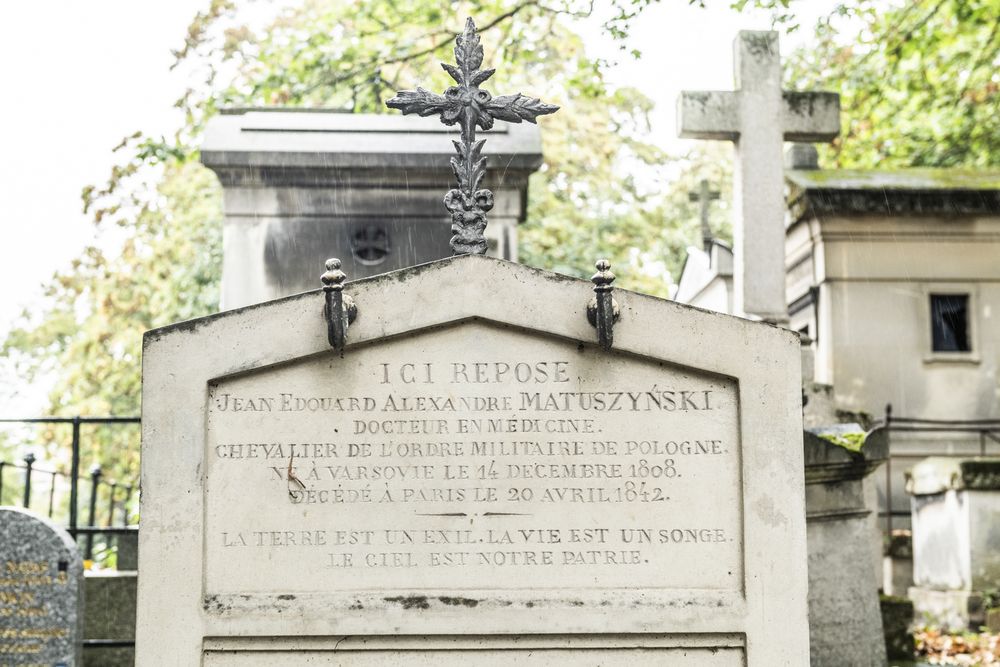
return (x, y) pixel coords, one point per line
(950, 323)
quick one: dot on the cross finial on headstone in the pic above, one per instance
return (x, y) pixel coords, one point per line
(704, 196)
(470, 106)
(758, 116)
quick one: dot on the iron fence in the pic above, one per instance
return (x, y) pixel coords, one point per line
(987, 432)
(108, 502)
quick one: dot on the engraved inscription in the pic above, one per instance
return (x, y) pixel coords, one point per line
(474, 457)
(26, 626)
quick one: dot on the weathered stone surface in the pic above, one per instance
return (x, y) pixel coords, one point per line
(301, 186)
(472, 466)
(110, 615)
(938, 474)
(845, 623)
(956, 549)
(897, 564)
(127, 554)
(904, 192)
(41, 592)
(897, 619)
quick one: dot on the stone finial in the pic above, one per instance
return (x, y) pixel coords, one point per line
(802, 156)
(469, 106)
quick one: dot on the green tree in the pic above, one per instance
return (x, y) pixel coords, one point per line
(919, 81)
(164, 208)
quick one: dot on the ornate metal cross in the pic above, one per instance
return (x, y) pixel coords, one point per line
(470, 106)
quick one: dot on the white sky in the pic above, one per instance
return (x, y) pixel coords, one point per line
(78, 76)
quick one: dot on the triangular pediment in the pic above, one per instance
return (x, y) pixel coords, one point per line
(485, 288)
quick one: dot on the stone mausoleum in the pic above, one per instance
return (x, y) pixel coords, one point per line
(301, 186)
(893, 278)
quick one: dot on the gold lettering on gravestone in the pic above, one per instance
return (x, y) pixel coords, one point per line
(21, 586)
(473, 458)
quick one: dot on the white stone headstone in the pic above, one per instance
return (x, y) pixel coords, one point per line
(473, 477)
(758, 117)
(41, 592)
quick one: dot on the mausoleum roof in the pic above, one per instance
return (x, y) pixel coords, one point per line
(323, 139)
(897, 192)
(895, 179)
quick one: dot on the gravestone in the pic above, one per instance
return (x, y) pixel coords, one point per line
(955, 511)
(474, 475)
(758, 117)
(448, 463)
(41, 592)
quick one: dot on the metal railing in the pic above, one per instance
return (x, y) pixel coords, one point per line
(987, 430)
(117, 494)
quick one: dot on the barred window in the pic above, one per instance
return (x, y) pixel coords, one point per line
(950, 323)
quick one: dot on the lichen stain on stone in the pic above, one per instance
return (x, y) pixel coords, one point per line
(805, 103)
(457, 602)
(760, 44)
(769, 513)
(698, 97)
(411, 602)
(212, 603)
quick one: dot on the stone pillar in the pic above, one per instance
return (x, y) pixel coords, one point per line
(955, 510)
(302, 186)
(845, 621)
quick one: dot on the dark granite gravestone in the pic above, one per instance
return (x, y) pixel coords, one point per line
(41, 591)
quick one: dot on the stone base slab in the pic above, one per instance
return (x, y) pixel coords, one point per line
(949, 610)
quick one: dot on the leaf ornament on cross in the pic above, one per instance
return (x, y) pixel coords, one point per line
(469, 106)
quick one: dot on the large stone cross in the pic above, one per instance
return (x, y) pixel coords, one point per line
(758, 117)
(469, 106)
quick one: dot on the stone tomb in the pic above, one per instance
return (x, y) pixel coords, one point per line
(298, 183)
(955, 510)
(473, 477)
(41, 592)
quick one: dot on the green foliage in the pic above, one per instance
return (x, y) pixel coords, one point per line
(162, 210)
(919, 82)
(88, 335)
